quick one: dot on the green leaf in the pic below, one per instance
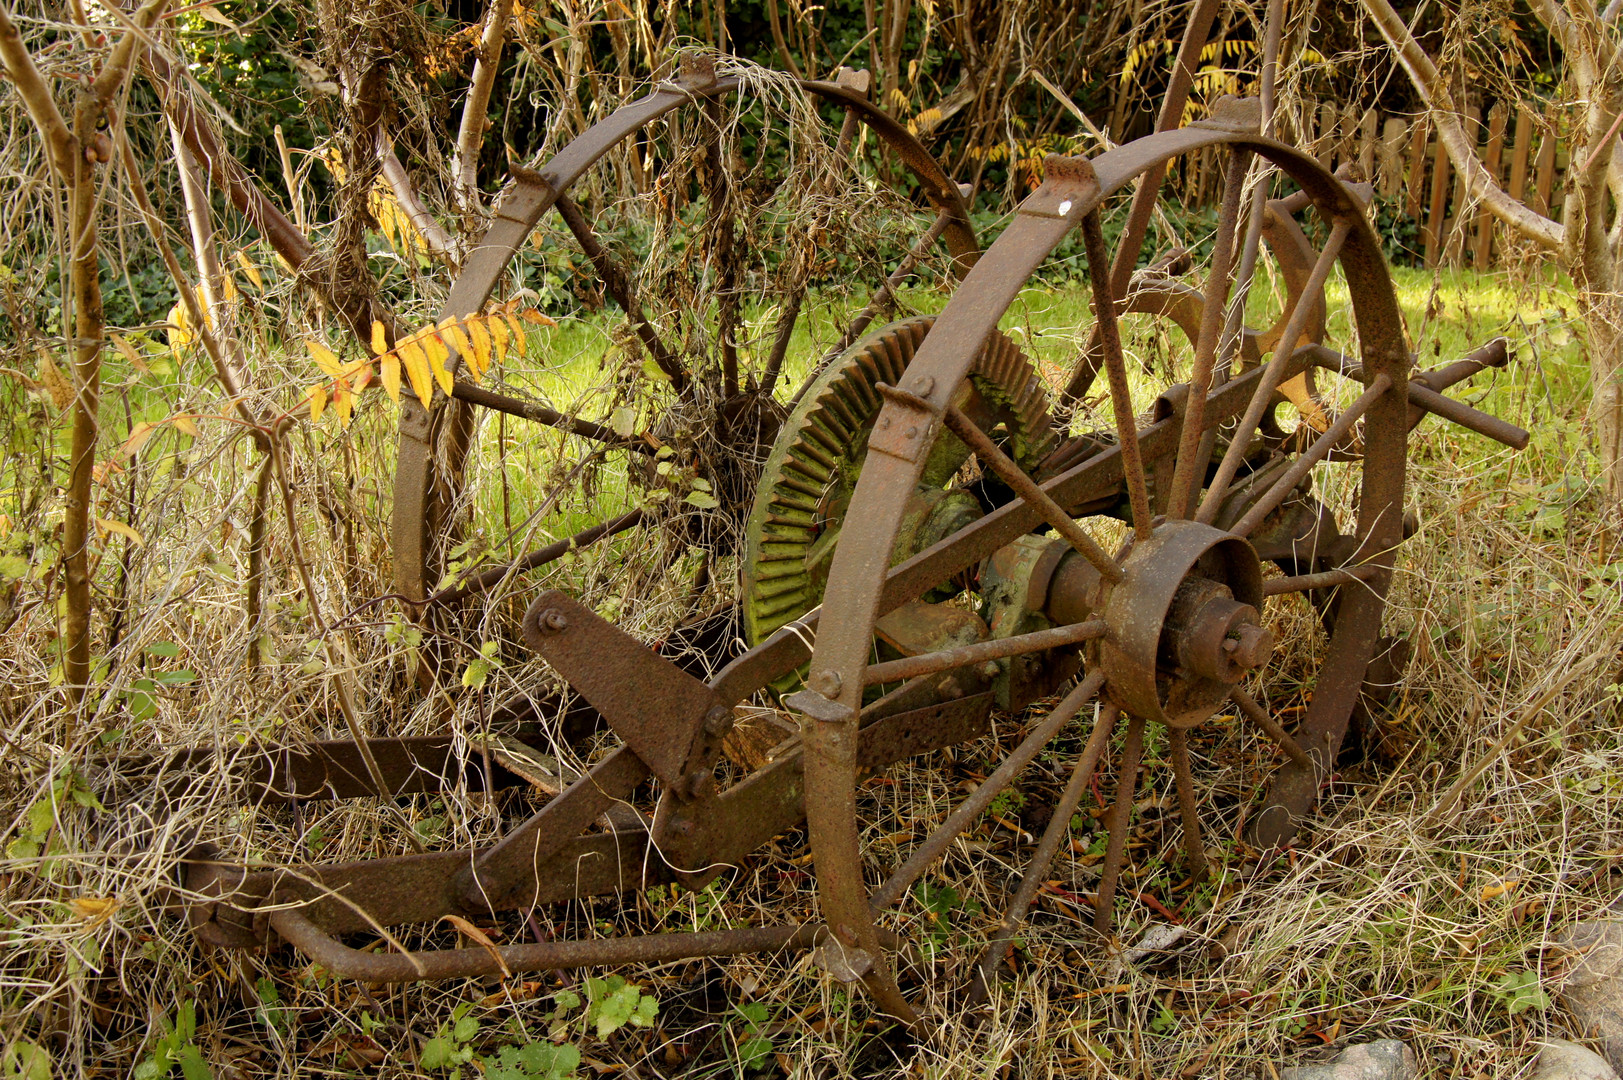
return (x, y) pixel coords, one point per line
(192, 1065)
(624, 421)
(465, 1029)
(755, 1052)
(13, 567)
(701, 500)
(25, 1061)
(166, 649)
(177, 678)
(475, 674)
(437, 1052)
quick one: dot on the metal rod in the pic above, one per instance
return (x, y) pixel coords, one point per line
(910, 667)
(972, 807)
(1187, 472)
(539, 557)
(1271, 376)
(541, 414)
(619, 286)
(1116, 822)
(1329, 579)
(1321, 448)
(1024, 486)
(1259, 716)
(1194, 847)
(1059, 828)
(1467, 417)
(345, 962)
(1121, 395)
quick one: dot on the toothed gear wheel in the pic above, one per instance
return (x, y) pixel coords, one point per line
(812, 470)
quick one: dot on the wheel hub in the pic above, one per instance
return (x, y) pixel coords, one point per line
(1185, 624)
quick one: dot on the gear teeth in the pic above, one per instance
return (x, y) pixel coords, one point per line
(820, 447)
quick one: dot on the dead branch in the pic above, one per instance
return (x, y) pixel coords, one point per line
(470, 139)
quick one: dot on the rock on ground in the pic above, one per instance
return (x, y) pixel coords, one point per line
(1384, 1060)
(1593, 988)
(1562, 1060)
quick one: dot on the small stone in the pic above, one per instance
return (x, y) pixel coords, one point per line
(1593, 988)
(1562, 1060)
(1387, 1059)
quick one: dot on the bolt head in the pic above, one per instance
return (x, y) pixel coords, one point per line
(552, 621)
(1252, 647)
(718, 721)
(827, 682)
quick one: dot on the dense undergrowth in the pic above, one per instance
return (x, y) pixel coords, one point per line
(1379, 922)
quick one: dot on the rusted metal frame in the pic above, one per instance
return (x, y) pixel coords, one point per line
(1121, 395)
(933, 846)
(1024, 486)
(617, 282)
(487, 579)
(1136, 229)
(1271, 378)
(1254, 712)
(1189, 469)
(1117, 818)
(789, 647)
(898, 450)
(345, 962)
(1194, 846)
(1057, 832)
(497, 876)
(911, 667)
(529, 410)
(1328, 579)
(1321, 448)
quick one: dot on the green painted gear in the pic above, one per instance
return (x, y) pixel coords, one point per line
(813, 467)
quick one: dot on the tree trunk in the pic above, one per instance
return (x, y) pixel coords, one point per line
(1603, 317)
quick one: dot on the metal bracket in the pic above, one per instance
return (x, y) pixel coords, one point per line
(907, 425)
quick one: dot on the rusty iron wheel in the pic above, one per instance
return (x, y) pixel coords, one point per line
(731, 391)
(1212, 493)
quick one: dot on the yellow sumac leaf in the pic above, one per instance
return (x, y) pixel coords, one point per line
(438, 356)
(126, 531)
(417, 369)
(479, 337)
(251, 270)
(453, 336)
(499, 334)
(389, 372)
(343, 402)
(1499, 889)
(380, 339)
(130, 353)
(323, 356)
(181, 422)
(139, 434)
(97, 908)
(521, 345)
(317, 395)
(531, 315)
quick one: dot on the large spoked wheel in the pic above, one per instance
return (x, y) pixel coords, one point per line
(1174, 617)
(732, 294)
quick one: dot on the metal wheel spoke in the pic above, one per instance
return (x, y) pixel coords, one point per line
(541, 414)
(1189, 469)
(910, 667)
(1321, 448)
(1059, 827)
(1194, 846)
(1254, 712)
(1116, 822)
(1121, 397)
(1328, 579)
(615, 280)
(1271, 376)
(972, 807)
(1024, 486)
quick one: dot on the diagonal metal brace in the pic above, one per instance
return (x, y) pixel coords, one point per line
(660, 711)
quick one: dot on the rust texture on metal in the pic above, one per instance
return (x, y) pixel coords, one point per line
(898, 581)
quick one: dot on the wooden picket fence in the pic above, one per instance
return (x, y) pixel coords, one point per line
(1411, 172)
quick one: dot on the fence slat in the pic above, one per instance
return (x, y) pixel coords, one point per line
(1394, 132)
(1432, 234)
(1490, 160)
(1419, 131)
(1367, 125)
(1522, 146)
(1458, 224)
(1546, 174)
